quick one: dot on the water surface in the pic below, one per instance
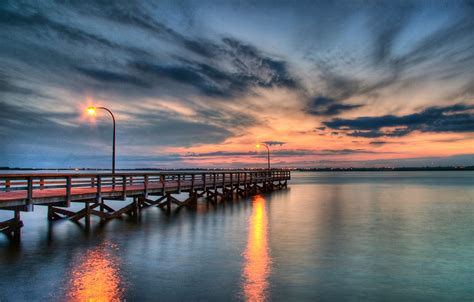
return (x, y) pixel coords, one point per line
(342, 236)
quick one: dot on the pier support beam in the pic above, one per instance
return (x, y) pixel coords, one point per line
(170, 199)
(12, 228)
(104, 211)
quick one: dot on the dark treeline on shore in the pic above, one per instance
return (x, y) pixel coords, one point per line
(467, 168)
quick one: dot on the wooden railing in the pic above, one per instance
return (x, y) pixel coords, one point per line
(121, 181)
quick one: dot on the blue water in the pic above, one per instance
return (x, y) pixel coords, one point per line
(377, 236)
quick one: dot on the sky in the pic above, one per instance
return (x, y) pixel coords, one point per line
(199, 83)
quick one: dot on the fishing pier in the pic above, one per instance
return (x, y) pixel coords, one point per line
(97, 192)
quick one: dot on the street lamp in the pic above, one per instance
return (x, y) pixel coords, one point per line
(268, 152)
(93, 111)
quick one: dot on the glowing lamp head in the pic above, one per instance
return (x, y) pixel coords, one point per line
(258, 146)
(91, 111)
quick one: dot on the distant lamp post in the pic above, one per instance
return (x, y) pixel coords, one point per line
(259, 145)
(93, 111)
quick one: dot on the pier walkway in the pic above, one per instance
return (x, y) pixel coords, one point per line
(22, 192)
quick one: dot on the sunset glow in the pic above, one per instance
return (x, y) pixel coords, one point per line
(323, 85)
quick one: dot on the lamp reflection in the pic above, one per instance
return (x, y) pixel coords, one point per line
(96, 278)
(256, 255)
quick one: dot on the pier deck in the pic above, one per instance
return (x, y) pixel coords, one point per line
(21, 192)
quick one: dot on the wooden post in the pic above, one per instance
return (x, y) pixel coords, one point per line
(168, 201)
(7, 185)
(163, 181)
(99, 188)
(136, 206)
(124, 187)
(245, 184)
(50, 213)
(192, 182)
(68, 190)
(29, 206)
(145, 184)
(18, 224)
(41, 183)
(179, 183)
(87, 217)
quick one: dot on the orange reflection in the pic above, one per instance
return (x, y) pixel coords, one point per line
(256, 255)
(96, 278)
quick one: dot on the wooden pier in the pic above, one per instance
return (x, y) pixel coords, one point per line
(22, 192)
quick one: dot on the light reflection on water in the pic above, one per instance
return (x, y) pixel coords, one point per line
(95, 277)
(256, 255)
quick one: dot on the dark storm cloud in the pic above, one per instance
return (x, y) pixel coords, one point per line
(248, 69)
(201, 47)
(377, 133)
(264, 71)
(455, 118)
(328, 107)
(112, 77)
(6, 86)
(379, 143)
(16, 115)
(281, 153)
(339, 86)
(135, 15)
(443, 52)
(43, 25)
(461, 31)
(188, 75)
(386, 30)
(273, 143)
(231, 119)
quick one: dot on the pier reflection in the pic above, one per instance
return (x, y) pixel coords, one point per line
(96, 277)
(256, 255)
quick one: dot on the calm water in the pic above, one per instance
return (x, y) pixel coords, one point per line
(392, 236)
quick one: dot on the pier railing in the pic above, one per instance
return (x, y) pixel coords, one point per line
(27, 187)
(21, 192)
(29, 182)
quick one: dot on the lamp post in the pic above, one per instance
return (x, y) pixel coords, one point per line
(268, 152)
(92, 111)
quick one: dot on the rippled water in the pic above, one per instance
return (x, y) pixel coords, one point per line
(392, 236)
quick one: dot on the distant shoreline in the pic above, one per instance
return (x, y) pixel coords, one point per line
(468, 168)
(371, 169)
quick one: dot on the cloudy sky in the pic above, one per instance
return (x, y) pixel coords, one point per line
(198, 83)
